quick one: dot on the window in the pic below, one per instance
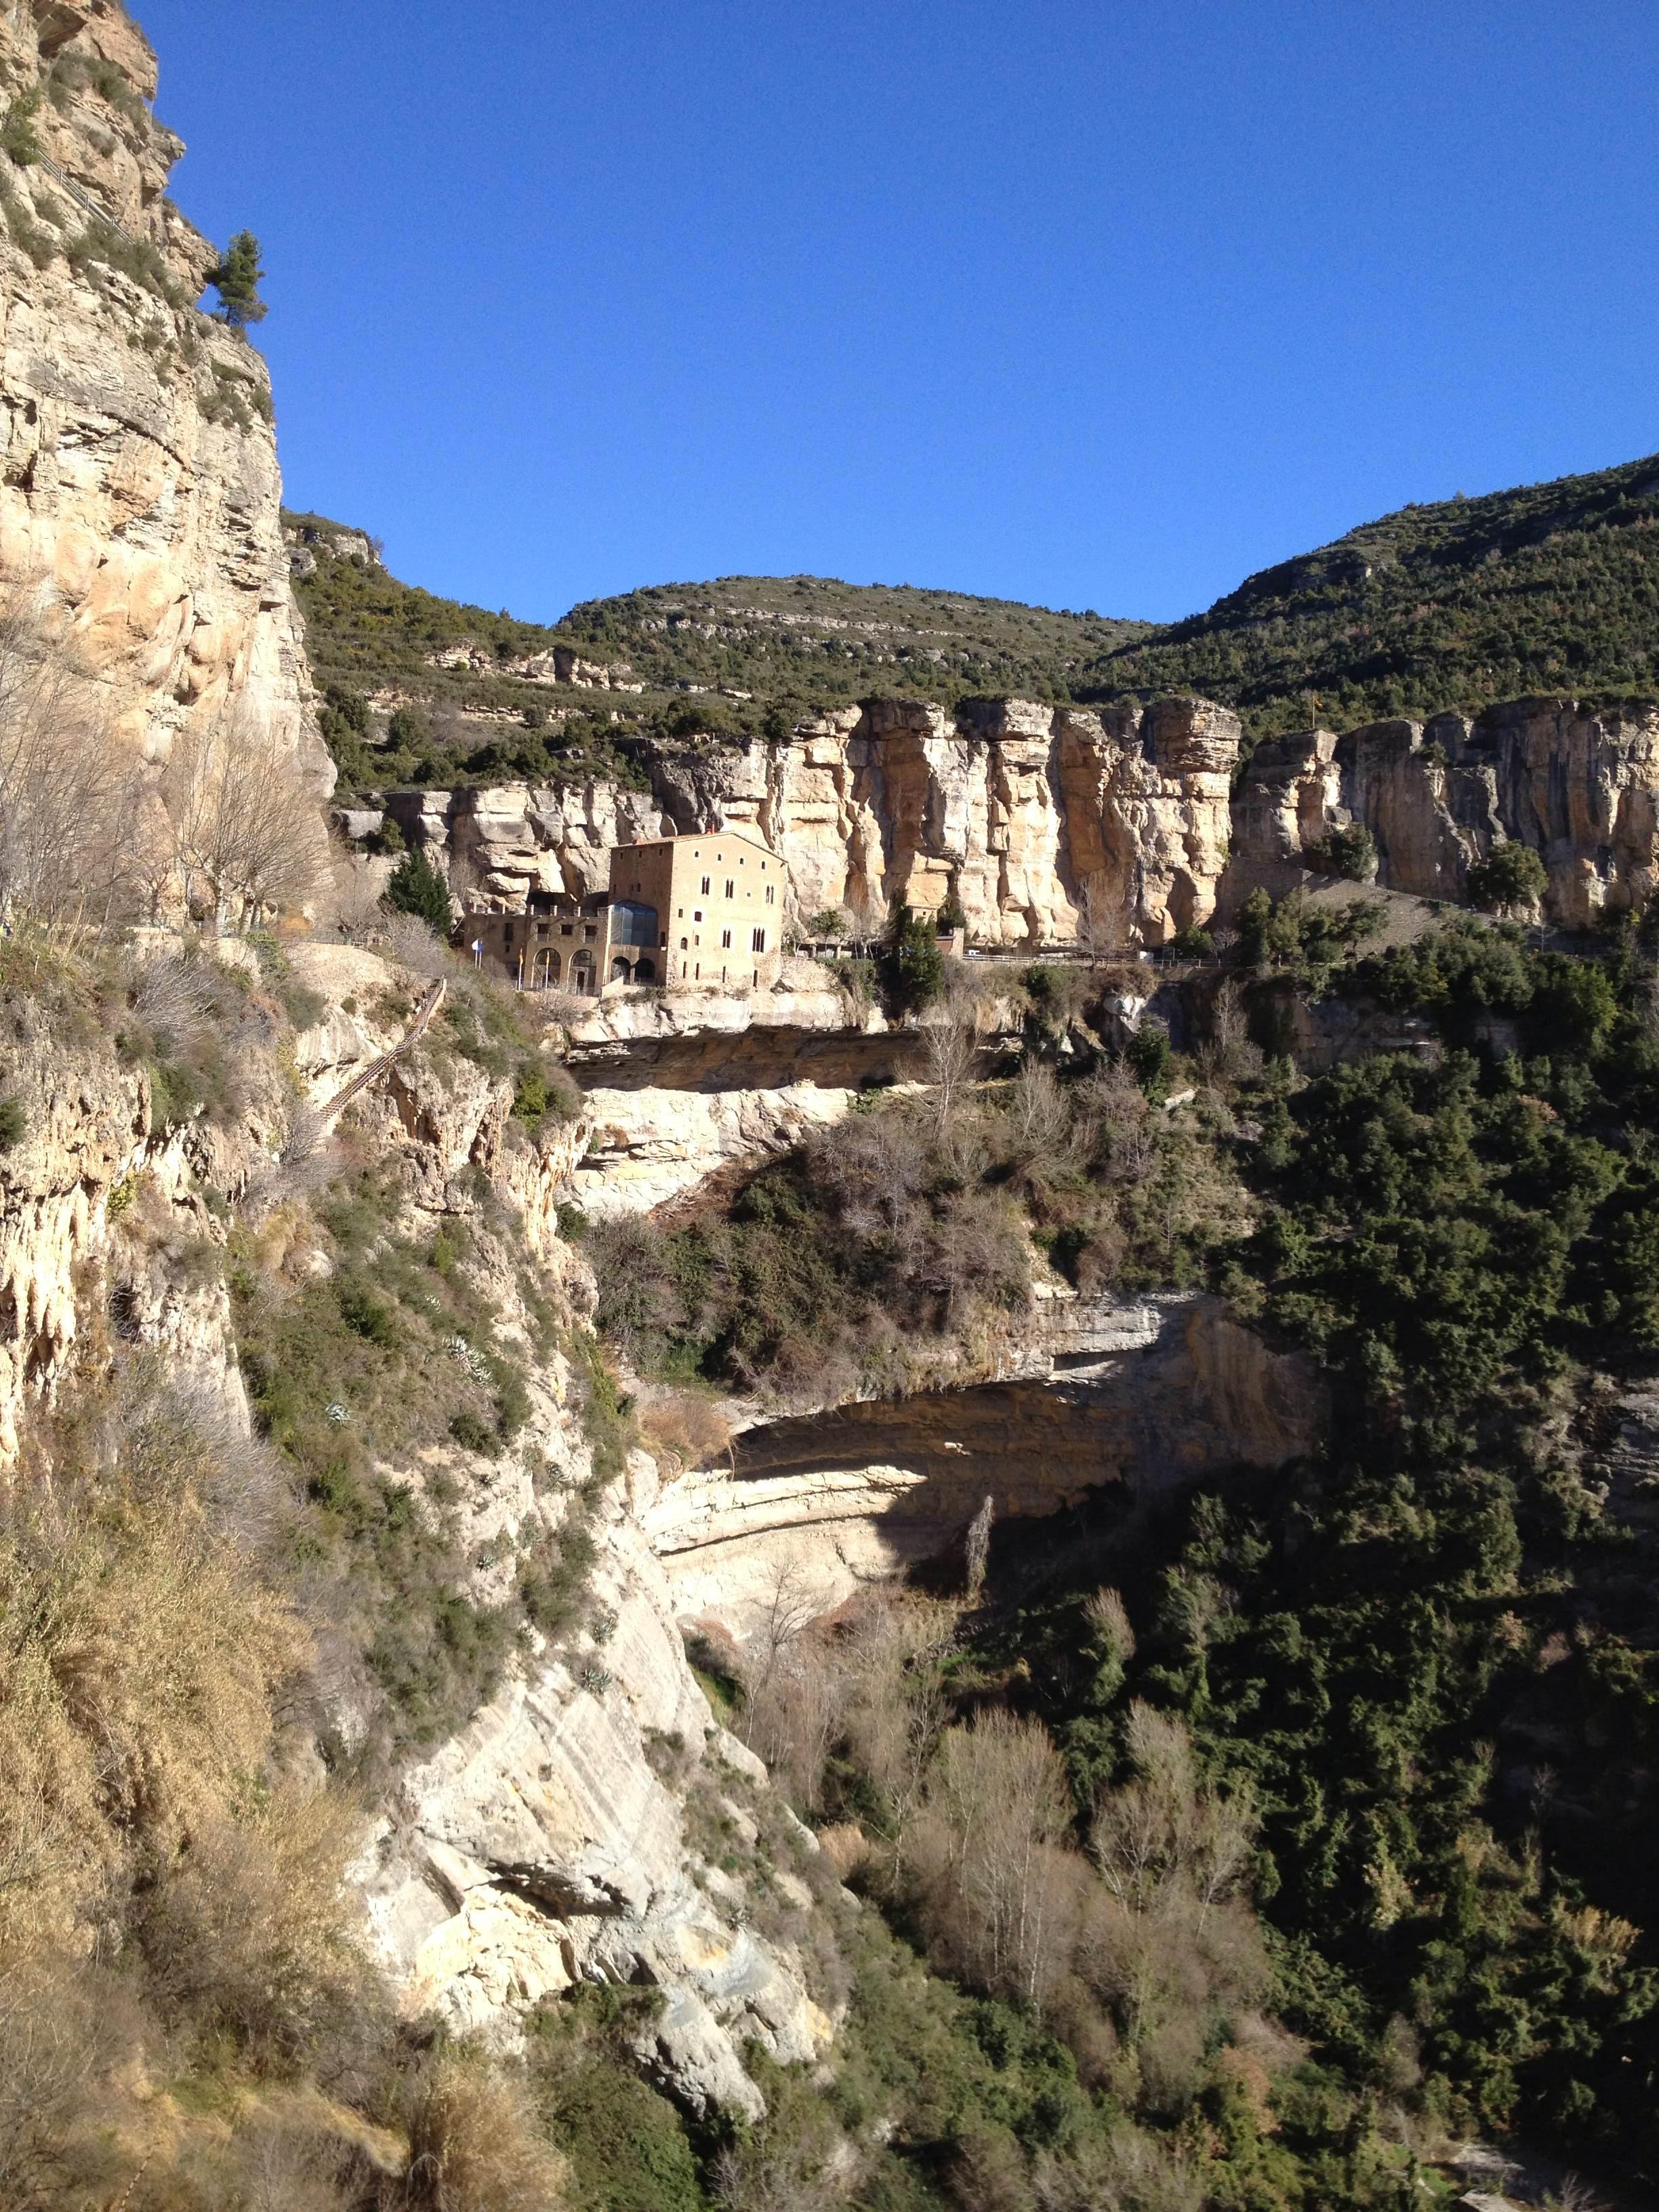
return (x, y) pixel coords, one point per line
(696, 914)
(564, 929)
(685, 944)
(706, 881)
(731, 888)
(759, 942)
(679, 914)
(726, 940)
(771, 894)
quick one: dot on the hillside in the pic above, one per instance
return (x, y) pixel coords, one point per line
(1551, 587)
(1547, 588)
(813, 640)
(744, 656)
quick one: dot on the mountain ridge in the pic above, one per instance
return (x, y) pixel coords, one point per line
(1452, 605)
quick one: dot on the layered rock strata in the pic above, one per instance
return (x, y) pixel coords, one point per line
(138, 481)
(1117, 827)
(1035, 820)
(1141, 1393)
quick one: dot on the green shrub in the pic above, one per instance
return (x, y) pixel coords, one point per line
(14, 1122)
(1511, 875)
(19, 139)
(1193, 944)
(1349, 853)
(418, 888)
(911, 967)
(1148, 1052)
(40, 245)
(473, 1434)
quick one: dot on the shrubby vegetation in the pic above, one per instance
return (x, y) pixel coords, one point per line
(1459, 604)
(903, 1235)
(1400, 1692)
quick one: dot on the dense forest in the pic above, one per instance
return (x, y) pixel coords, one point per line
(1408, 1684)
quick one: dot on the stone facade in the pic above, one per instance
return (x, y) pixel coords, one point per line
(693, 910)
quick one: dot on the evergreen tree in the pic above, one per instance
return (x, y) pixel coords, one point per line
(911, 967)
(237, 280)
(418, 888)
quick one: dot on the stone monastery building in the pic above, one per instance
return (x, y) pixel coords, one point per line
(705, 908)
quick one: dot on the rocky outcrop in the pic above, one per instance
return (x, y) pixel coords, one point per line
(1120, 826)
(1580, 788)
(139, 481)
(551, 1842)
(648, 1147)
(1028, 817)
(1138, 1394)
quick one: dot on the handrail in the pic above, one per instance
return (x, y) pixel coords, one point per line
(377, 1068)
(83, 198)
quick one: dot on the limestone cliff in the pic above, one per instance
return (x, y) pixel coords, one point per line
(1581, 788)
(1121, 826)
(574, 1829)
(1135, 1395)
(1026, 817)
(138, 474)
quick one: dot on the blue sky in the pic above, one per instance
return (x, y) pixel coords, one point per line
(1094, 304)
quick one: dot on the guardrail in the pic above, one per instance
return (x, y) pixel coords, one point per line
(377, 1068)
(83, 198)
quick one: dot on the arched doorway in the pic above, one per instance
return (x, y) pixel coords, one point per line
(646, 972)
(544, 969)
(582, 974)
(619, 972)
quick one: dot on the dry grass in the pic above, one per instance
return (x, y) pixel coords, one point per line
(474, 2145)
(683, 1429)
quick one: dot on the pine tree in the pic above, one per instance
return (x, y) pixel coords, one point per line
(417, 887)
(237, 280)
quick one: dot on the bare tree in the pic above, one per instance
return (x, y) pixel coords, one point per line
(1099, 922)
(71, 797)
(979, 1548)
(1166, 1827)
(951, 1044)
(246, 830)
(1003, 1889)
(351, 905)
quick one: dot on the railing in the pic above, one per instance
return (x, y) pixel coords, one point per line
(377, 1068)
(83, 198)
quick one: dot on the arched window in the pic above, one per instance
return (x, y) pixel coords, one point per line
(646, 971)
(545, 970)
(619, 972)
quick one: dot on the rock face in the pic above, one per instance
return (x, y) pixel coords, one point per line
(1026, 816)
(1581, 789)
(1121, 826)
(1143, 1394)
(542, 1847)
(139, 481)
(648, 1147)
